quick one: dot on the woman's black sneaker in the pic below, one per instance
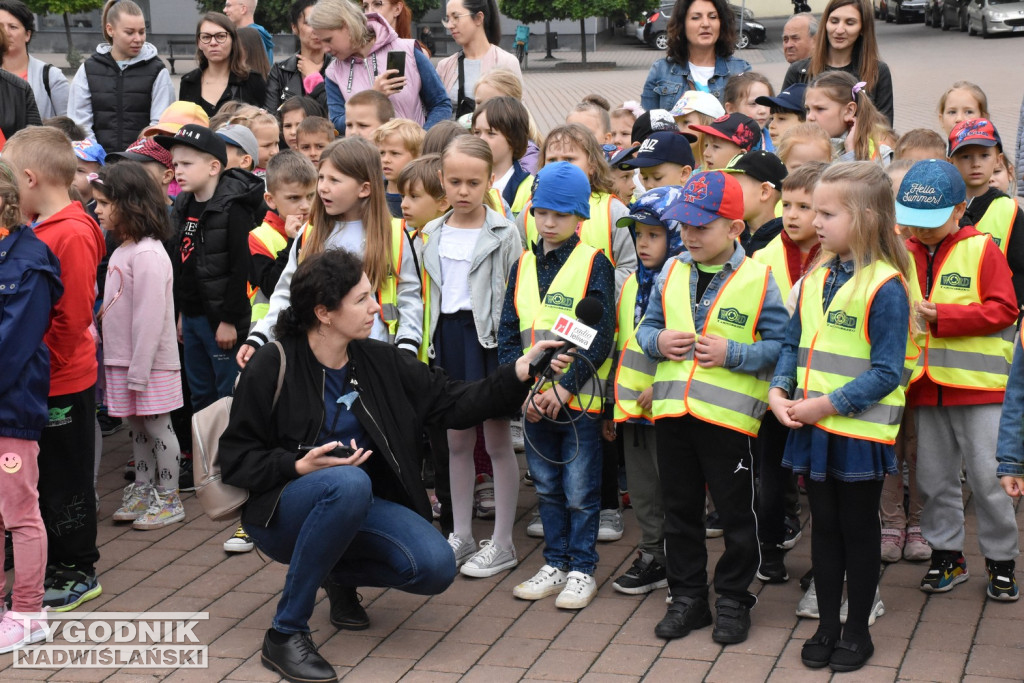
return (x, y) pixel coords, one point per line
(346, 611)
(295, 657)
(646, 575)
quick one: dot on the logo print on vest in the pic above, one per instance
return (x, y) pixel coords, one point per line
(732, 316)
(558, 300)
(995, 239)
(841, 320)
(955, 281)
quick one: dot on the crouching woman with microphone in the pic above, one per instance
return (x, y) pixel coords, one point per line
(333, 468)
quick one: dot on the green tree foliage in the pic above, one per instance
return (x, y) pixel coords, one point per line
(530, 11)
(66, 8)
(270, 14)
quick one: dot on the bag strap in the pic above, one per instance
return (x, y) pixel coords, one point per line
(280, 373)
(462, 78)
(46, 81)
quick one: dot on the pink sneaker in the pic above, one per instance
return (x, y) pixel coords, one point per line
(892, 544)
(917, 549)
(17, 630)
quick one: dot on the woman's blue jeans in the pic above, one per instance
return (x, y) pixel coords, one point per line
(329, 523)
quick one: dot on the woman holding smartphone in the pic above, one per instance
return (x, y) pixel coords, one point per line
(360, 46)
(333, 472)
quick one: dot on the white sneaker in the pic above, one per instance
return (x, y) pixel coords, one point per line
(579, 590)
(547, 581)
(808, 605)
(135, 501)
(535, 529)
(877, 610)
(483, 497)
(490, 560)
(609, 527)
(518, 444)
(18, 630)
(462, 548)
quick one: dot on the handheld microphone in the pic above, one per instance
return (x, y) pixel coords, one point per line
(576, 333)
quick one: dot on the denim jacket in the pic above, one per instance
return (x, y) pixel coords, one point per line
(1010, 446)
(668, 80)
(888, 345)
(748, 358)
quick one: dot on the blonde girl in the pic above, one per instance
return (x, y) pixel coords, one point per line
(577, 145)
(802, 143)
(140, 358)
(350, 212)
(468, 254)
(741, 93)
(841, 106)
(112, 102)
(963, 101)
(696, 108)
(622, 120)
(854, 304)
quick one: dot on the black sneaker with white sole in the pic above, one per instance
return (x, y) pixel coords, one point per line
(646, 575)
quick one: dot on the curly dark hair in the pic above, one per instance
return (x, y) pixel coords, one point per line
(678, 49)
(139, 203)
(321, 280)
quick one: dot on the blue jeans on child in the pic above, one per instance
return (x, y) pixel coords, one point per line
(569, 496)
(209, 369)
(329, 523)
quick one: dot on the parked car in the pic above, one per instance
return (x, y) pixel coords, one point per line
(902, 11)
(991, 17)
(953, 14)
(653, 27)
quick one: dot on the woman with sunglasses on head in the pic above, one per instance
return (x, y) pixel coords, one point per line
(223, 74)
(475, 26)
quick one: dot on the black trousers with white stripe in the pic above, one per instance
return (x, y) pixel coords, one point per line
(693, 454)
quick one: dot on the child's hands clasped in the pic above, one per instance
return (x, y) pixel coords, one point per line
(801, 412)
(674, 344)
(546, 404)
(927, 311)
(710, 350)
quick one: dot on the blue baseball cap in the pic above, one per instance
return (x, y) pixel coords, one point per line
(562, 187)
(930, 191)
(651, 206)
(707, 196)
(90, 150)
(790, 99)
(664, 147)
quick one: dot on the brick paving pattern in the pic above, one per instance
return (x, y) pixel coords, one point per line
(476, 631)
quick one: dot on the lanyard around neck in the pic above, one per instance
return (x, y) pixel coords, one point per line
(351, 71)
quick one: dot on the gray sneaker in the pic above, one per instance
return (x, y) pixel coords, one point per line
(462, 548)
(490, 560)
(610, 526)
(808, 605)
(877, 610)
(535, 529)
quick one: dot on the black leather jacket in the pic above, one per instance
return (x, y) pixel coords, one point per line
(17, 105)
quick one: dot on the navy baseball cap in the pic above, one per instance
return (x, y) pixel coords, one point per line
(650, 208)
(707, 196)
(930, 191)
(790, 99)
(735, 127)
(661, 148)
(562, 187)
(199, 138)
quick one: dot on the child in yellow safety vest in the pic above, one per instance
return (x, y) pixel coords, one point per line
(563, 422)
(968, 310)
(657, 241)
(714, 324)
(839, 385)
(975, 149)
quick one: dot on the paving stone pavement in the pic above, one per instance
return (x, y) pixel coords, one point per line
(476, 631)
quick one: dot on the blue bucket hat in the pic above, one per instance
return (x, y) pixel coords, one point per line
(930, 191)
(562, 187)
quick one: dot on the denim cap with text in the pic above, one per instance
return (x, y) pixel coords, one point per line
(930, 191)
(562, 187)
(664, 147)
(706, 197)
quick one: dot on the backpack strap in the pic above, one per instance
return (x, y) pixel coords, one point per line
(46, 81)
(280, 373)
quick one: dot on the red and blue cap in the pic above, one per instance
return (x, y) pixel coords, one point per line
(735, 127)
(979, 132)
(706, 197)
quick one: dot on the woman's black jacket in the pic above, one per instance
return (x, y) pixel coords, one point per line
(398, 395)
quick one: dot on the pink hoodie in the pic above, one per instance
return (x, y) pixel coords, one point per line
(362, 72)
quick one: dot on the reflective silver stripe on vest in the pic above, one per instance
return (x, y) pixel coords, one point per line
(675, 390)
(1006, 334)
(627, 394)
(640, 362)
(880, 413)
(388, 312)
(969, 361)
(847, 366)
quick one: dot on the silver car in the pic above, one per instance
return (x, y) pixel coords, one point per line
(991, 17)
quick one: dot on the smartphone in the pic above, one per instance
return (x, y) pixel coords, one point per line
(396, 60)
(339, 451)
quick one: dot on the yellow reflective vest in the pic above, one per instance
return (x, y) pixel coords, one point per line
(387, 295)
(980, 363)
(634, 369)
(734, 400)
(536, 318)
(998, 221)
(835, 348)
(595, 231)
(274, 242)
(774, 256)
